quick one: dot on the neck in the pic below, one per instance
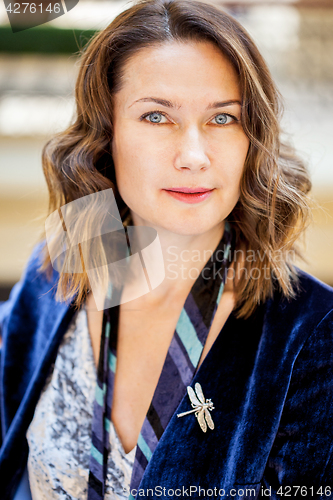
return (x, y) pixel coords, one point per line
(184, 257)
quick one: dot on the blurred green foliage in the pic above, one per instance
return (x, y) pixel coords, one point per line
(45, 40)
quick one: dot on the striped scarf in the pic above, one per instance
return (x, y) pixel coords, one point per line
(177, 373)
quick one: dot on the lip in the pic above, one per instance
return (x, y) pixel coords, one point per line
(190, 190)
(190, 196)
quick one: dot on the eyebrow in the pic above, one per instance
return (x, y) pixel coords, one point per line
(221, 104)
(169, 104)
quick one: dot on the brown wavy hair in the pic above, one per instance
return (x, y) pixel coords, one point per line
(273, 208)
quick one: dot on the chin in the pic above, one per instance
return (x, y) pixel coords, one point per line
(185, 226)
(190, 222)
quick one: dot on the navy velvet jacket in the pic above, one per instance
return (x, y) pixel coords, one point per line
(270, 378)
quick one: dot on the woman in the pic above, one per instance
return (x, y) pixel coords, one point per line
(216, 380)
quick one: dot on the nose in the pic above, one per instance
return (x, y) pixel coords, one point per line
(190, 151)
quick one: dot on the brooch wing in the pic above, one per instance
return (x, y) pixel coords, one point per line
(194, 400)
(201, 420)
(209, 419)
(199, 392)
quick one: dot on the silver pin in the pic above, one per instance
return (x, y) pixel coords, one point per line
(201, 407)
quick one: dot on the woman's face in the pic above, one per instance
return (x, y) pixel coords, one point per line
(177, 126)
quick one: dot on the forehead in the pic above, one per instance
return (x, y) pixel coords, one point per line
(181, 71)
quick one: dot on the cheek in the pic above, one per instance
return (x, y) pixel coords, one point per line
(125, 156)
(239, 146)
(123, 151)
(134, 166)
(233, 153)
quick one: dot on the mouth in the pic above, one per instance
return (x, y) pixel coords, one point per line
(190, 195)
(188, 190)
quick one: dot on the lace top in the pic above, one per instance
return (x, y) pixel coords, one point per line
(59, 435)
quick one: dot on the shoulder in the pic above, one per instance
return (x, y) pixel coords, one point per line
(296, 329)
(35, 282)
(312, 311)
(32, 298)
(311, 288)
(32, 279)
(313, 301)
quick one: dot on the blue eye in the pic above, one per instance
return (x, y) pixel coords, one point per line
(154, 117)
(222, 118)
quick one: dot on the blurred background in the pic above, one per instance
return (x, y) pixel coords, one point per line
(38, 68)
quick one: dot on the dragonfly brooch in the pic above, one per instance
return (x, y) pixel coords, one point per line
(201, 407)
